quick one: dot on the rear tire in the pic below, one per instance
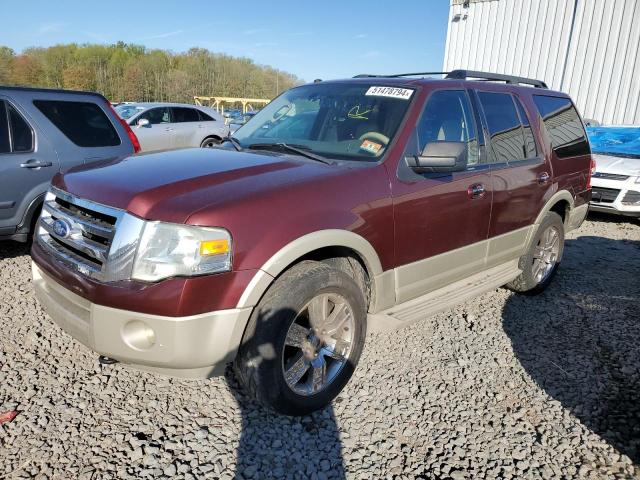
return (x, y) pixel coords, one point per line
(211, 142)
(303, 340)
(540, 264)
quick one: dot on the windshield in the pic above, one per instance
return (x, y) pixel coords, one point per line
(128, 111)
(350, 121)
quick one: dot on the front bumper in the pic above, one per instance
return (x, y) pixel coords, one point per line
(197, 346)
(614, 196)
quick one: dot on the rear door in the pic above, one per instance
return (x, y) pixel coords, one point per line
(521, 176)
(441, 220)
(27, 163)
(159, 133)
(188, 128)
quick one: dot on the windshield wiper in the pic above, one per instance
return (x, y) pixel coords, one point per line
(297, 149)
(234, 141)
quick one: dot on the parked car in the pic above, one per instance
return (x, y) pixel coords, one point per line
(236, 122)
(164, 126)
(43, 132)
(279, 251)
(616, 181)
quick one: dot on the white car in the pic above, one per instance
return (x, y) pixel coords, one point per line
(163, 126)
(616, 185)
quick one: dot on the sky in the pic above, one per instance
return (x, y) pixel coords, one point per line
(311, 39)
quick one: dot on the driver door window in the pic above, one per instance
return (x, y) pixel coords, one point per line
(448, 117)
(159, 134)
(156, 116)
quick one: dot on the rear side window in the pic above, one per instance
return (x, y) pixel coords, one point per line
(204, 117)
(503, 123)
(5, 146)
(21, 133)
(529, 140)
(568, 138)
(181, 115)
(84, 123)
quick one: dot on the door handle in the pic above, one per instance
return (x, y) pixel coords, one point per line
(543, 178)
(476, 191)
(35, 164)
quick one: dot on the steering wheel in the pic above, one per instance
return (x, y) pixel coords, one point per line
(376, 136)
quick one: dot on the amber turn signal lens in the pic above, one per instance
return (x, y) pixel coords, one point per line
(213, 247)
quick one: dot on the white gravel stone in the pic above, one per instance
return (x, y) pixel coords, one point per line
(503, 386)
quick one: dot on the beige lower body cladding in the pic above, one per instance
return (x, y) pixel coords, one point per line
(197, 346)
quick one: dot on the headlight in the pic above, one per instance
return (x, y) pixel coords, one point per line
(169, 250)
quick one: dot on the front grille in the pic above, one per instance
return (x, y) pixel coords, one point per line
(604, 195)
(610, 176)
(631, 197)
(83, 234)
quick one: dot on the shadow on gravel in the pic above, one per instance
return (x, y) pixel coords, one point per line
(580, 339)
(11, 249)
(274, 446)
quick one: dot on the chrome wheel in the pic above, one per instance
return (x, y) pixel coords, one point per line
(210, 143)
(318, 344)
(545, 254)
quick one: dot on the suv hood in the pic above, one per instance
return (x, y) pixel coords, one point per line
(619, 165)
(172, 185)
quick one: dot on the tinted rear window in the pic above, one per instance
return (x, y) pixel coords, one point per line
(503, 122)
(84, 123)
(4, 129)
(529, 140)
(563, 124)
(185, 115)
(204, 117)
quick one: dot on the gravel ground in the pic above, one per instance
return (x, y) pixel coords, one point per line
(504, 386)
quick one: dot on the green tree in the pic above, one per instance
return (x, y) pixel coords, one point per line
(131, 72)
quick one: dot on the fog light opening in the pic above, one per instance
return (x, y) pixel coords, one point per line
(138, 335)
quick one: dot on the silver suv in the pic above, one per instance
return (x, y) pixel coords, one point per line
(43, 132)
(164, 126)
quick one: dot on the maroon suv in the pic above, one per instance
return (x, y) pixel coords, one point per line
(342, 206)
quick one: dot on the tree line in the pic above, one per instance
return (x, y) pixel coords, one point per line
(127, 72)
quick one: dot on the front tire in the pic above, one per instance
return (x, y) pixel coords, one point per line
(540, 264)
(211, 142)
(303, 340)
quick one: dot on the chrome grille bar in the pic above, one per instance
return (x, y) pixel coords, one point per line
(79, 233)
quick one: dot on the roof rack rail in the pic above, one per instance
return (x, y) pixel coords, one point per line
(396, 75)
(466, 75)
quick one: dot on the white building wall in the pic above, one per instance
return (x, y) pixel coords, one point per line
(587, 48)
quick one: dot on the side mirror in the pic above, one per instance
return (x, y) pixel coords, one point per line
(440, 157)
(143, 122)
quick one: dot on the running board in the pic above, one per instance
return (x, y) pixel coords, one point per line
(443, 298)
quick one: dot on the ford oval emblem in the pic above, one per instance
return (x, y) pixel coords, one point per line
(61, 228)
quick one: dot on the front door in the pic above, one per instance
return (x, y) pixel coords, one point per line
(441, 220)
(158, 134)
(26, 163)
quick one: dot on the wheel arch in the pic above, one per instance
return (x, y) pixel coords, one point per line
(213, 135)
(316, 245)
(561, 202)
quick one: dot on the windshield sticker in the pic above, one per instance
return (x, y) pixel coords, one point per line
(357, 114)
(393, 92)
(371, 147)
